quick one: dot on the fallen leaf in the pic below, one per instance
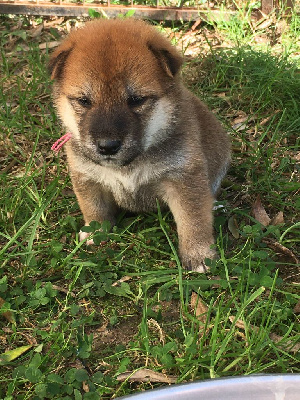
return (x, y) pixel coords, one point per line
(278, 219)
(267, 119)
(297, 308)
(196, 24)
(240, 119)
(123, 279)
(7, 314)
(263, 24)
(55, 22)
(146, 375)
(63, 290)
(293, 347)
(239, 323)
(35, 32)
(240, 126)
(103, 328)
(279, 248)
(260, 213)
(200, 311)
(199, 307)
(11, 355)
(222, 94)
(49, 45)
(233, 227)
(85, 387)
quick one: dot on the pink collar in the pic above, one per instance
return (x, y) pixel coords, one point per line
(60, 142)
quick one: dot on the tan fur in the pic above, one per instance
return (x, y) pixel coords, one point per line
(138, 134)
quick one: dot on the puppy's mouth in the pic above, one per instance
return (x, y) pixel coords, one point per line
(120, 163)
(120, 159)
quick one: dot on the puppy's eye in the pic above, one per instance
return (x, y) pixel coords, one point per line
(136, 101)
(84, 101)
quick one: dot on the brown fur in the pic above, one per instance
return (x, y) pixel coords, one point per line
(117, 84)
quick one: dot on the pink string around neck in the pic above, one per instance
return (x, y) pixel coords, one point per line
(60, 142)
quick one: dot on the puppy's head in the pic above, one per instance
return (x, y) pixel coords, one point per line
(112, 85)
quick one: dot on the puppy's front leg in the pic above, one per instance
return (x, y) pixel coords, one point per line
(191, 204)
(96, 203)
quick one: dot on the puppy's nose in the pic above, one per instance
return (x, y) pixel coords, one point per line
(108, 147)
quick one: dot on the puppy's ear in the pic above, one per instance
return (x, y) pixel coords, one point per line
(169, 58)
(57, 62)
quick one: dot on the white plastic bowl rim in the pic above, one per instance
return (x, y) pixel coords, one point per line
(251, 387)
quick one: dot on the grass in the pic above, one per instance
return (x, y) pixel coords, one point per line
(88, 315)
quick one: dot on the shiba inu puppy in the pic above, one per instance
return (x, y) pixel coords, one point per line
(136, 133)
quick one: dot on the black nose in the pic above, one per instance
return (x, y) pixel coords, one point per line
(108, 147)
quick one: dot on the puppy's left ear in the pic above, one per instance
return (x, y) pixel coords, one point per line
(168, 57)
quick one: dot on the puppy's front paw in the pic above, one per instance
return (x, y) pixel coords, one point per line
(83, 236)
(193, 259)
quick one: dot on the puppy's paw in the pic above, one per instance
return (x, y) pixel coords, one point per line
(83, 236)
(193, 259)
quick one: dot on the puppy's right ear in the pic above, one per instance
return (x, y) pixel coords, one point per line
(57, 62)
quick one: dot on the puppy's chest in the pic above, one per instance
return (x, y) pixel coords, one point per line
(134, 190)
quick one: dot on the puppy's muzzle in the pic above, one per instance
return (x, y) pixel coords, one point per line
(108, 147)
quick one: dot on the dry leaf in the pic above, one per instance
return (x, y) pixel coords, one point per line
(273, 336)
(295, 347)
(63, 290)
(297, 308)
(260, 213)
(279, 248)
(222, 94)
(240, 126)
(35, 32)
(233, 227)
(239, 323)
(49, 45)
(85, 387)
(199, 307)
(146, 375)
(240, 119)
(7, 314)
(55, 22)
(103, 328)
(278, 219)
(264, 24)
(200, 310)
(196, 24)
(267, 119)
(123, 279)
